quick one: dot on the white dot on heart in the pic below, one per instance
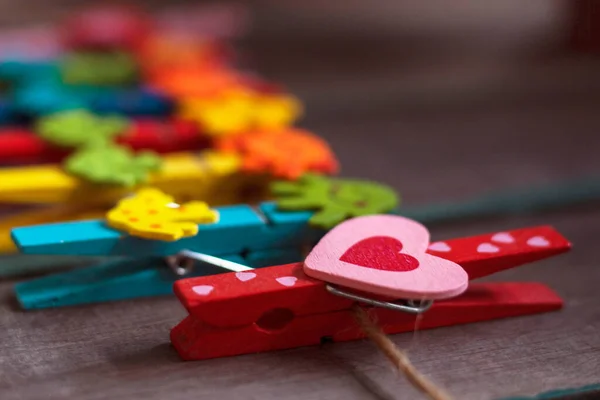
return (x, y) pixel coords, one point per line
(287, 280)
(503, 237)
(538, 241)
(487, 248)
(203, 290)
(245, 276)
(440, 246)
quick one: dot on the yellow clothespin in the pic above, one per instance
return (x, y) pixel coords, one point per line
(183, 175)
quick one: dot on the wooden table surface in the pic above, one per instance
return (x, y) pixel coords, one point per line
(430, 154)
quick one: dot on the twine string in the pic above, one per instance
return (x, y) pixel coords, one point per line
(398, 358)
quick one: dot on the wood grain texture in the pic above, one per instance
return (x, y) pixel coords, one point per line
(121, 350)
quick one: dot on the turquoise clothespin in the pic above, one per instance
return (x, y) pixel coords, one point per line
(240, 228)
(14, 265)
(256, 237)
(44, 94)
(43, 97)
(18, 70)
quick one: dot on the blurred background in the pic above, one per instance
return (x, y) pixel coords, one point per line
(342, 56)
(514, 84)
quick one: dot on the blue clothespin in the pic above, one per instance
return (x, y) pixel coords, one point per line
(7, 112)
(19, 70)
(137, 101)
(254, 237)
(44, 93)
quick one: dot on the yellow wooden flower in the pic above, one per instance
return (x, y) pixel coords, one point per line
(241, 111)
(151, 214)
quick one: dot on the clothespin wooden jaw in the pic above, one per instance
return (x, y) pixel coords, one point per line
(234, 313)
(185, 176)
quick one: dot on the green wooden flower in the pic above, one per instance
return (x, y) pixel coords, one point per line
(112, 164)
(99, 69)
(334, 200)
(75, 128)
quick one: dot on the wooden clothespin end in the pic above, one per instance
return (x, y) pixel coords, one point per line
(220, 163)
(385, 255)
(333, 200)
(151, 214)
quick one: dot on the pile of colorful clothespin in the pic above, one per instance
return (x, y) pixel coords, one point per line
(279, 274)
(119, 101)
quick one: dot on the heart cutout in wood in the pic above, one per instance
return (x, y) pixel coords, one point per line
(385, 255)
(380, 252)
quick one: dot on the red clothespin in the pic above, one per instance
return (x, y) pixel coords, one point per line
(367, 259)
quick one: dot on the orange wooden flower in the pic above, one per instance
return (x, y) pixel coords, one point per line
(285, 153)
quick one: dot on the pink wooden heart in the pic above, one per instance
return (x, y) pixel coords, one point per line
(380, 252)
(385, 255)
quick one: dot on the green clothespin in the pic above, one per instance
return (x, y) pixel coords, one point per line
(334, 200)
(99, 68)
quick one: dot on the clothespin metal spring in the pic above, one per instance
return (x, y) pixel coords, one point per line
(183, 262)
(410, 306)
